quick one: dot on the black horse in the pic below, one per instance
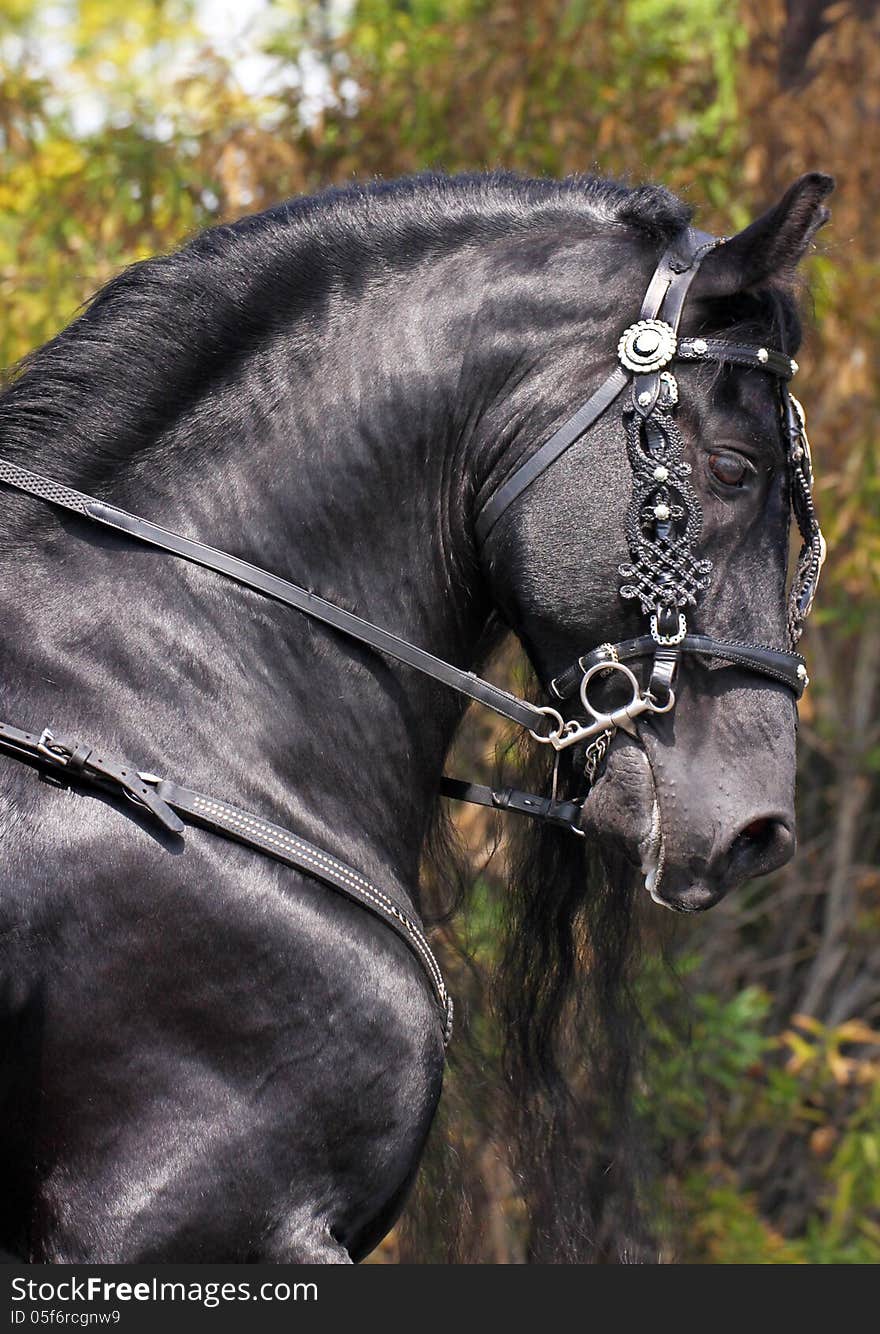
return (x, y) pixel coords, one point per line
(206, 1054)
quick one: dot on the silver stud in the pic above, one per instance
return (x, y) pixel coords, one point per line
(700, 346)
(647, 342)
(660, 473)
(763, 355)
(645, 397)
(802, 672)
(794, 367)
(661, 511)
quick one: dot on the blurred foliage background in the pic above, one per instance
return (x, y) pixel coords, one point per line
(124, 128)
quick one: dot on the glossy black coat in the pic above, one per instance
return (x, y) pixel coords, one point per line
(207, 1056)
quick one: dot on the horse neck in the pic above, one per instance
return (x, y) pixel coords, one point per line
(336, 462)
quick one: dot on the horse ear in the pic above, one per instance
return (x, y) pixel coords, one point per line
(771, 246)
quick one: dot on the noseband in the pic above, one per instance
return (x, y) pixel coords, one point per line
(664, 575)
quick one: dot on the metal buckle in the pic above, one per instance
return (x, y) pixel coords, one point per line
(550, 739)
(668, 639)
(50, 748)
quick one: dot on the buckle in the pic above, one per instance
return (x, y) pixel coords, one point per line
(564, 814)
(675, 638)
(51, 749)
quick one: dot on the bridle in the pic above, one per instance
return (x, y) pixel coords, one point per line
(664, 575)
(664, 520)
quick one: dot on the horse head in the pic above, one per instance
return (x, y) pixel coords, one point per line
(699, 794)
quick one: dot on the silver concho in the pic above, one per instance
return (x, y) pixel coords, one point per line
(646, 346)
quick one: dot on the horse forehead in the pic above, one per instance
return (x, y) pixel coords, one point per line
(735, 401)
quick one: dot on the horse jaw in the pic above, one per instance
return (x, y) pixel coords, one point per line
(624, 808)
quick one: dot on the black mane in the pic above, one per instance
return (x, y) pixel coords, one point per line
(153, 339)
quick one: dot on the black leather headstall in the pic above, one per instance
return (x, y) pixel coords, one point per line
(665, 573)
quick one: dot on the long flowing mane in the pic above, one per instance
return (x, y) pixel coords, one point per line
(152, 340)
(547, 1046)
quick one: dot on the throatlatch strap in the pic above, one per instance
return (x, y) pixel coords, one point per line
(567, 814)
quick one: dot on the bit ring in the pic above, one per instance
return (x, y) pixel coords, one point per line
(557, 731)
(608, 667)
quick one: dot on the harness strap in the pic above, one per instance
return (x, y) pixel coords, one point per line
(275, 841)
(70, 761)
(559, 442)
(564, 813)
(667, 290)
(272, 585)
(789, 669)
(281, 590)
(69, 764)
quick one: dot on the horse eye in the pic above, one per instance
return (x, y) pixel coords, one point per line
(730, 469)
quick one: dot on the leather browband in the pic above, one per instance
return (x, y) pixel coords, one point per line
(737, 354)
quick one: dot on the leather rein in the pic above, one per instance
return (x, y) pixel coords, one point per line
(665, 576)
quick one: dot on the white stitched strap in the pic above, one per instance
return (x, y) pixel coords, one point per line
(297, 851)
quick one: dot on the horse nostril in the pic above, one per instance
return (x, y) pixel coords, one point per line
(758, 831)
(761, 846)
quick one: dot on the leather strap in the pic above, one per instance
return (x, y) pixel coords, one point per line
(739, 354)
(284, 846)
(682, 260)
(66, 762)
(467, 683)
(71, 764)
(282, 590)
(787, 668)
(667, 291)
(570, 431)
(675, 274)
(663, 672)
(567, 814)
